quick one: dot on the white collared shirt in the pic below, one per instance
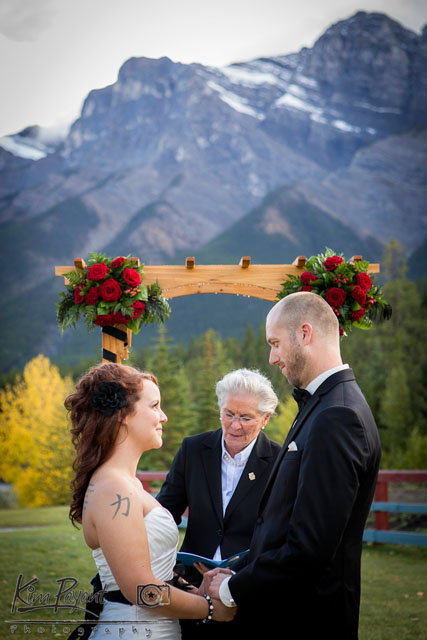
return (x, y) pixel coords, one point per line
(315, 384)
(231, 472)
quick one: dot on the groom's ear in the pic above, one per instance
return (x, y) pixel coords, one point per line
(306, 333)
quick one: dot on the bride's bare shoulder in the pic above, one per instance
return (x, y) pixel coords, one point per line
(112, 490)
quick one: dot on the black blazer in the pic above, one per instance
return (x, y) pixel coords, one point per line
(194, 481)
(303, 570)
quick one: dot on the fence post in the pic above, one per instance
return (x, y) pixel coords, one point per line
(381, 495)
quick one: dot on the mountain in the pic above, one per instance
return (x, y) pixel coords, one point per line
(382, 192)
(272, 158)
(34, 142)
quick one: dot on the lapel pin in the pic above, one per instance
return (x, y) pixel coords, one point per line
(251, 475)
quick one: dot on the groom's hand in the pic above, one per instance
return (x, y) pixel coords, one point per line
(215, 585)
(208, 576)
(222, 613)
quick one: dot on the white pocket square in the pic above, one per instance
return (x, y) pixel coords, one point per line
(292, 446)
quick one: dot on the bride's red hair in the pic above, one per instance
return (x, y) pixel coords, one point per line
(93, 433)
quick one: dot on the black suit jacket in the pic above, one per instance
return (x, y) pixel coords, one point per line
(194, 481)
(303, 570)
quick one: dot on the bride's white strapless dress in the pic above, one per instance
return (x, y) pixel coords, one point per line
(123, 621)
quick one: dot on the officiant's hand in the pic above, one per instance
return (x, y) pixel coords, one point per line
(201, 568)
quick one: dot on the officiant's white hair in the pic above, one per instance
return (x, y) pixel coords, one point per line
(249, 381)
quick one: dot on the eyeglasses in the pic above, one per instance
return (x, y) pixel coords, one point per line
(227, 418)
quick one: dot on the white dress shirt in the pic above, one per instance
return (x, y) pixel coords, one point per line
(224, 591)
(315, 384)
(231, 471)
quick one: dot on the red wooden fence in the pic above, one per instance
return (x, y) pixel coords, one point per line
(381, 492)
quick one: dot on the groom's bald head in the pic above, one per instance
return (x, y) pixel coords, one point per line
(306, 307)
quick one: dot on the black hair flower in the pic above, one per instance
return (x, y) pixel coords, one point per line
(108, 398)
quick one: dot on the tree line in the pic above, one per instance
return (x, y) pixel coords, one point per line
(390, 363)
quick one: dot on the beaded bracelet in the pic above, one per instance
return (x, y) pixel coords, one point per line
(211, 608)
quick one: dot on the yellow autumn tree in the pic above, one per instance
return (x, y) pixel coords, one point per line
(279, 425)
(34, 435)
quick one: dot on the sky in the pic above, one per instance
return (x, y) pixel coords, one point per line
(53, 52)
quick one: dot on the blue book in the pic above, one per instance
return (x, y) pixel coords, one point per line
(189, 559)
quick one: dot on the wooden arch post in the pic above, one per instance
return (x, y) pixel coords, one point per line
(263, 281)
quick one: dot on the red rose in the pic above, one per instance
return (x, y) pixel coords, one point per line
(335, 296)
(119, 318)
(341, 330)
(110, 290)
(78, 296)
(332, 262)
(92, 295)
(138, 308)
(307, 277)
(307, 287)
(357, 315)
(132, 277)
(359, 295)
(104, 320)
(117, 262)
(364, 281)
(97, 271)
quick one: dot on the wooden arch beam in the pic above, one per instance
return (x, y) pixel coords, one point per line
(262, 281)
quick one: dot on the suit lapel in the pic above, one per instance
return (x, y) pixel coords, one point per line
(302, 417)
(211, 455)
(341, 376)
(256, 465)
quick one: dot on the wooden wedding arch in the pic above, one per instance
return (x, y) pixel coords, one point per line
(262, 281)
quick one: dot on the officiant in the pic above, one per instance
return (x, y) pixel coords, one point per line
(220, 476)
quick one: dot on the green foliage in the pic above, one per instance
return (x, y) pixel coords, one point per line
(210, 364)
(390, 364)
(359, 302)
(279, 425)
(176, 401)
(130, 302)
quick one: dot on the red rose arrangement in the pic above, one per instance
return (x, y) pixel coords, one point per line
(110, 292)
(354, 296)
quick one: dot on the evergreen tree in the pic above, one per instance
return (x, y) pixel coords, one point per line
(211, 365)
(249, 349)
(395, 410)
(175, 401)
(389, 364)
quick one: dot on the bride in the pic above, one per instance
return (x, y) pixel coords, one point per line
(116, 415)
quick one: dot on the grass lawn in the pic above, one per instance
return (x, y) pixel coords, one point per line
(394, 578)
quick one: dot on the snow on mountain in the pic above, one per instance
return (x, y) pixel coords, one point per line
(35, 142)
(23, 148)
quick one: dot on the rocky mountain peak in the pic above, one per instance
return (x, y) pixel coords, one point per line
(366, 58)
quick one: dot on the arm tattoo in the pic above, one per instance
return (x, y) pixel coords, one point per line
(118, 502)
(90, 489)
(153, 595)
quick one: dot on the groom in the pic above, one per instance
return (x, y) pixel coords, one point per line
(302, 575)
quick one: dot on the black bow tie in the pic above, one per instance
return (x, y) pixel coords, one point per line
(301, 396)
